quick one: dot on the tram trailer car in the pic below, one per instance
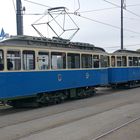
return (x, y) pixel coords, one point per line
(124, 70)
(41, 70)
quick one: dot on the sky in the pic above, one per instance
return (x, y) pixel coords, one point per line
(98, 20)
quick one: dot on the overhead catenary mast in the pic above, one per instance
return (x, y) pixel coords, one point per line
(19, 17)
(123, 6)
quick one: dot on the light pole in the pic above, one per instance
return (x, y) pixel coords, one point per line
(122, 6)
(19, 17)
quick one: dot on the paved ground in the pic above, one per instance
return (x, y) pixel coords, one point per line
(129, 132)
(77, 120)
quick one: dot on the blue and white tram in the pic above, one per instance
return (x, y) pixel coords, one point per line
(124, 68)
(49, 70)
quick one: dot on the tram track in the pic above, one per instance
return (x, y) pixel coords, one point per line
(116, 129)
(81, 120)
(67, 121)
(58, 122)
(57, 110)
(55, 119)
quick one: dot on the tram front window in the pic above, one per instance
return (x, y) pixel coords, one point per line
(1, 61)
(13, 60)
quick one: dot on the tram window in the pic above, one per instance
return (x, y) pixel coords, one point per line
(86, 61)
(113, 61)
(96, 61)
(28, 60)
(73, 60)
(43, 60)
(139, 61)
(108, 60)
(135, 61)
(58, 60)
(104, 61)
(124, 61)
(1, 60)
(13, 60)
(130, 59)
(119, 61)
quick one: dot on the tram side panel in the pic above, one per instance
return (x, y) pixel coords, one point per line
(22, 84)
(134, 74)
(123, 75)
(118, 75)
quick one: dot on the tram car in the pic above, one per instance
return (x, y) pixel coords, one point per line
(35, 70)
(124, 70)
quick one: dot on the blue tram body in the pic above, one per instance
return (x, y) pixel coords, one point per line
(16, 84)
(126, 72)
(123, 75)
(49, 69)
(45, 70)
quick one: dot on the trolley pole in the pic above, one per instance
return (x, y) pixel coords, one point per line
(19, 17)
(122, 4)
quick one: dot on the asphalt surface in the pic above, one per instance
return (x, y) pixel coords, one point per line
(85, 119)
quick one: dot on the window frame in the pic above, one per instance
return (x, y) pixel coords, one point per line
(103, 61)
(130, 61)
(13, 59)
(96, 61)
(76, 54)
(119, 60)
(135, 63)
(2, 62)
(113, 61)
(48, 63)
(63, 55)
(90, 65)
(34, 59)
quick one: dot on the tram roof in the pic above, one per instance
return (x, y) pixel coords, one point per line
(54, 42)
(126, 52)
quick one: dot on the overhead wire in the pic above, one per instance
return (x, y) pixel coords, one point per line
(107, 24)
(133, 13)
(85, 11)
(130, 45)
(78, 6)
(102, 9)
(120, 7)
(112, 3)
(37, 3)
(133, 5)
(116, 6)
(79, 11)
(124, 8)
(137, 19)
(98, 10)
(14, 5)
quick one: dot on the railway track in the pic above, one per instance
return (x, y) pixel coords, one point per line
(58, 116)
(116, 129)
(66, 127)
(58, 123)
(92, 113)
